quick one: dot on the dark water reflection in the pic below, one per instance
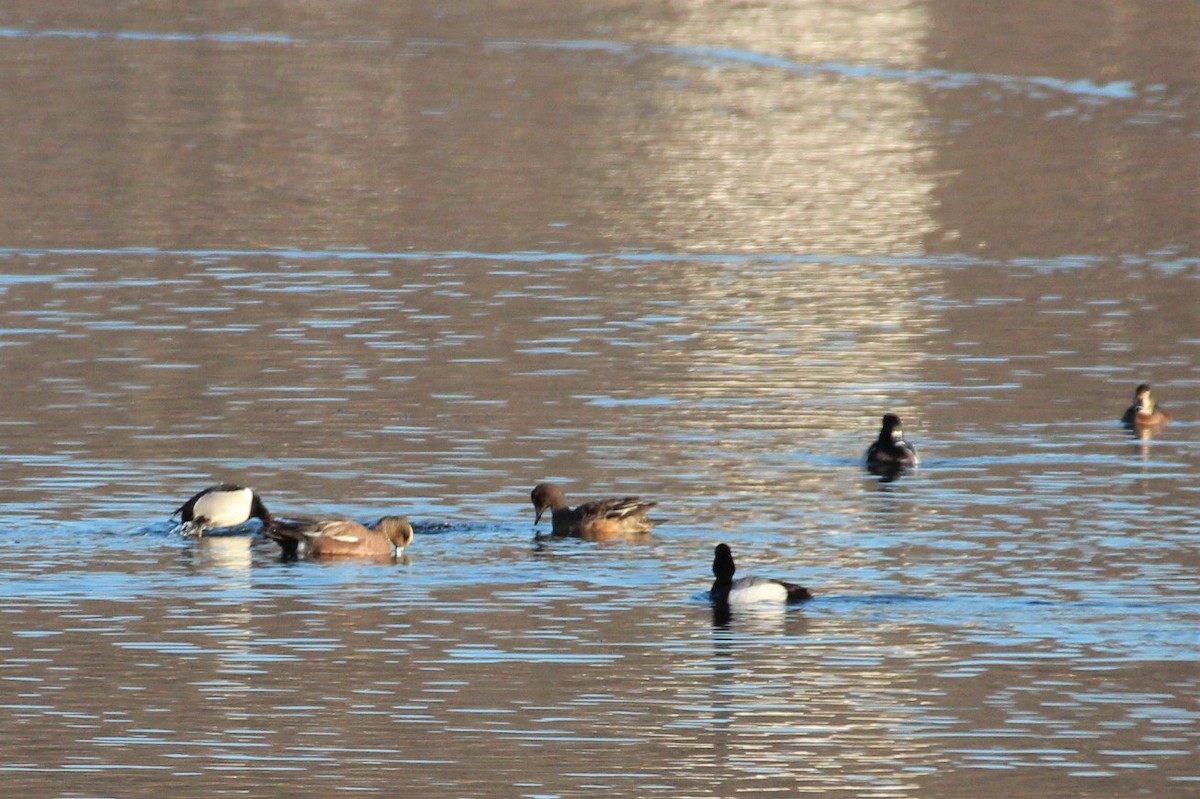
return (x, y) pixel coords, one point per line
(415, 261)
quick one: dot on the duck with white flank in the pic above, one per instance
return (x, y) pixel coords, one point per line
(749, 590)
(224, 505)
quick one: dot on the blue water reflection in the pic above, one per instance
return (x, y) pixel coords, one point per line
(404, 270)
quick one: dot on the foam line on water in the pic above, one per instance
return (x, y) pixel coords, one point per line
(1163, 261)
(700, 54)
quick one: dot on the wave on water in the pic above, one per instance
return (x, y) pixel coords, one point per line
(702, 55)
(1161, 261)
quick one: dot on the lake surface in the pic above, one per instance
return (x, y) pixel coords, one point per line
(417, 259)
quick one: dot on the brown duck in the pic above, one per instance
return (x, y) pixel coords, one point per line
(325, 538)
(600, 520)
(1145, 412)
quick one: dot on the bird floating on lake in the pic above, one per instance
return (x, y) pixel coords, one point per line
(600, 520)
(224, 505)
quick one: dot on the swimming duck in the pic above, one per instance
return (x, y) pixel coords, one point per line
(890, 452)
(340, 537)
(596, 521)
(1144, 412)
(224, 505)
(748, 590)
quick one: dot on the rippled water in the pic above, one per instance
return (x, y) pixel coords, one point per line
(417, 261)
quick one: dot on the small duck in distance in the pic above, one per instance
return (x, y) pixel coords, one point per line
(1144, 412)
(323, 538)
(889, 454)
(601, 520)
(749, 590)
(224, 505)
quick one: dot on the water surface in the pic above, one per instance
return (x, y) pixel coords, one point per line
(419, 260)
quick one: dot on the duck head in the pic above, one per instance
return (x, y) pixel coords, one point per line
(723, 567)
(546, 496)
(397, 529)
(892, 428)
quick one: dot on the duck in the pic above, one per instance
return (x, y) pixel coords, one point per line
(337, 537)
(599, 520)
(224, 505)
(749, 590)
(1144, 412)
(890, 452)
